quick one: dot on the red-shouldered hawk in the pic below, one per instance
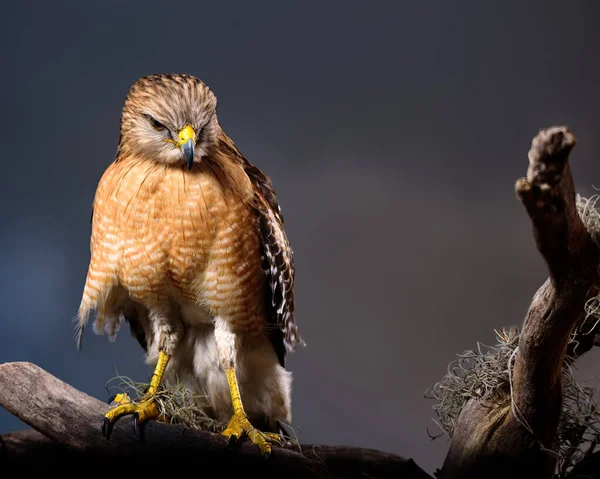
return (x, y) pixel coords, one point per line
(188, 246)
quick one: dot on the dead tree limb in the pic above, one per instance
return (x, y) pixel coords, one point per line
(26, 443)
(513, 434)
(67, 422)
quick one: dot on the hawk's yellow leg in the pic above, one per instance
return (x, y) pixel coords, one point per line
(142, 411)
(240, 426)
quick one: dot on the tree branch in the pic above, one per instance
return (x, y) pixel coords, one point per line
(68, 425)
(514, 434)
(26, 443)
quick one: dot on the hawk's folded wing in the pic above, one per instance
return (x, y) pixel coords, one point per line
(278, 259)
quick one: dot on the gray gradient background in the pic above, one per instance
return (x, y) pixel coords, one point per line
(393, 132)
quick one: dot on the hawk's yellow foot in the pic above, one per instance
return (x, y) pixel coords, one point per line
(239, 426)
(143, 410)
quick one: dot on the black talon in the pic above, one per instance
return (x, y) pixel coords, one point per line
(111, 399)
(107, 427)
(267, 455)
(231, 441)
(134, 422)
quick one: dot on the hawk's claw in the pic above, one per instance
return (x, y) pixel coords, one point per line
(134, 419)
(231, 441)
(111, 399)
(143, 411)
(106, 427)
(267, 455)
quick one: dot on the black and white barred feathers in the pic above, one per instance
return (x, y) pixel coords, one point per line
(278, 260)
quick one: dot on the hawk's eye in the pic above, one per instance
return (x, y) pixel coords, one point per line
(157, 125)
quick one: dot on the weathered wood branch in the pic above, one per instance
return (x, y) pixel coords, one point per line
(514, 433)
(66, 425)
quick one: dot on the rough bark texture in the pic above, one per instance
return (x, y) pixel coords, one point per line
(504, 438)
(66, 430)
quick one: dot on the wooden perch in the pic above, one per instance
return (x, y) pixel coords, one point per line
(514, 434)
(66, 425)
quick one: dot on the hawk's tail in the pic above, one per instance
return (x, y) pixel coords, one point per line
(83, 315)
(90, 301)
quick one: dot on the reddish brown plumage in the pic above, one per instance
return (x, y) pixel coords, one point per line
(160, 231)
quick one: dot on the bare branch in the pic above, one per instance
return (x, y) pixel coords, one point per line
(68, 422)
(514, 433)
(26, 443)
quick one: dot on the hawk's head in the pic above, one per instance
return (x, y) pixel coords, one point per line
(170, 119)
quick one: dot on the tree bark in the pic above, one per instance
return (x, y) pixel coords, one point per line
(514, 434)
(66, 431)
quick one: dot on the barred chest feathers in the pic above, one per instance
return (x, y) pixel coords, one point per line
(188, 235)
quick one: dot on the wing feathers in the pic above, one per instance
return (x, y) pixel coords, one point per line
(278, 257)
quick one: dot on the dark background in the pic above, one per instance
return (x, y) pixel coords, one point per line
(393, 132)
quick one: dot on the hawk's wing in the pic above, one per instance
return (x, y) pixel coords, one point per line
(278, 258)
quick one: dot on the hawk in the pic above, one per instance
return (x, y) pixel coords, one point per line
(188, 247)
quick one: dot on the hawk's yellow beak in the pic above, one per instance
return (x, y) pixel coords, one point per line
(187, 140)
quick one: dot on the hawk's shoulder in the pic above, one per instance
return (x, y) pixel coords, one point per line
(278, 257)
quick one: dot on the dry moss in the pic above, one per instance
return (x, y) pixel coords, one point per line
(590, 216)
(176, 404)
(483, 374)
